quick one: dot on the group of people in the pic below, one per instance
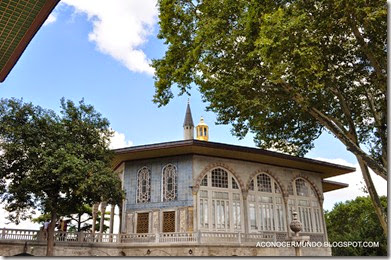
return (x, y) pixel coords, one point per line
(61, 225)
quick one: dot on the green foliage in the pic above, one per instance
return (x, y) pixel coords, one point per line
(79, 221)
(262, 64)
(54, 163)
(355, 220)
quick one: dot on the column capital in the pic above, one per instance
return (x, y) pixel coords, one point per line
(244, 194)
(103, 204)
(95, 208)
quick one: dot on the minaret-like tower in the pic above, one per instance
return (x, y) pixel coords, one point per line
(202, 131)
(188, 125)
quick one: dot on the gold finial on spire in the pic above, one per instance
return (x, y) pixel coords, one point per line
(202, 130)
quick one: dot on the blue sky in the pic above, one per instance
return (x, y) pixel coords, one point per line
(85, 51)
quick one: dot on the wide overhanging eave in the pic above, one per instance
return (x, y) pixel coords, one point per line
(235, 152)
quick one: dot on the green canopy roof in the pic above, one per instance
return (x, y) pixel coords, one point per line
(19, 21)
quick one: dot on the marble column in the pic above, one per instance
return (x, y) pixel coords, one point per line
(95, 208)
(324, 227)
(195, 210)
(245, 211)
(103, 206)
(121, 218)
(286, 206)
(112, 219)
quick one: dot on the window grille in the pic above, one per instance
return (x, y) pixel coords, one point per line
(252, 185)
(264, 183)
(219, 178)
(204, 181)
(170, 185)
(169, 221)
(301, 188)
(234, 184)
(142, 222)
(144, 185)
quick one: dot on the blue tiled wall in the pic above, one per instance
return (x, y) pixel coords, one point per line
(184, 180)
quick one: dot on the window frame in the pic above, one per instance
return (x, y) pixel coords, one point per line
(139, 192)
(233, 205)
(277, 223)
(175, 183)
(310, 215)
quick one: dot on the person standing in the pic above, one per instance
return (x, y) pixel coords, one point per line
(45, 228)
(65, 225)
(61, 224)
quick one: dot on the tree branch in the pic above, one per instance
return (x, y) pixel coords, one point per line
(379, 126)
(366, 50)
(349, 143)
(379, 210)
(327, 122)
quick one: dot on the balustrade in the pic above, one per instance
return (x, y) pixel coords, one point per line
(19, 234)
(199, 237)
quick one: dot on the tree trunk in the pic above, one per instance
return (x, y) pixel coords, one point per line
(350, 140)
(351, 145)
(374, 196)
(50, 242)
(338, 130)
(79, 223)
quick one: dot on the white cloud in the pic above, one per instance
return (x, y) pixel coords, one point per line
(356, 184)
(120, 28)
(119, 141)
(51, 19)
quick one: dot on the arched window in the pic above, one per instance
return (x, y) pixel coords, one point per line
(170, 185)
(143, 185)
(304, 201)
(220, 202)
(265, 205)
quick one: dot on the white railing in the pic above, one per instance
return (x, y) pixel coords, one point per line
(199, 237)
(18, 234)
(254, 237)
(219, 237)
(177, 237)
(138, 238)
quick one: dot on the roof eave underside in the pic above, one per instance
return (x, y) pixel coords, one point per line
(332, 185)
(20, 20)
(230, 152)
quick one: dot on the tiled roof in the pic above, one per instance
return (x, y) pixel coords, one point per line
(19, 21)
(188, 118)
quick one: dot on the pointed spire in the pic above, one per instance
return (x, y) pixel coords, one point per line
(188, 118)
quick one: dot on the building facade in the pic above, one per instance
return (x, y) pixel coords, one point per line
(219, 190)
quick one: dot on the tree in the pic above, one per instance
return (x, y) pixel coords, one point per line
(79, 221)
(54, 163)
(355, 220)
(286, 71)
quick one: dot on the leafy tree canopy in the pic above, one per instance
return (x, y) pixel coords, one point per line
(80, 220)
(355, 220)
(284, 70)
(54, 163)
